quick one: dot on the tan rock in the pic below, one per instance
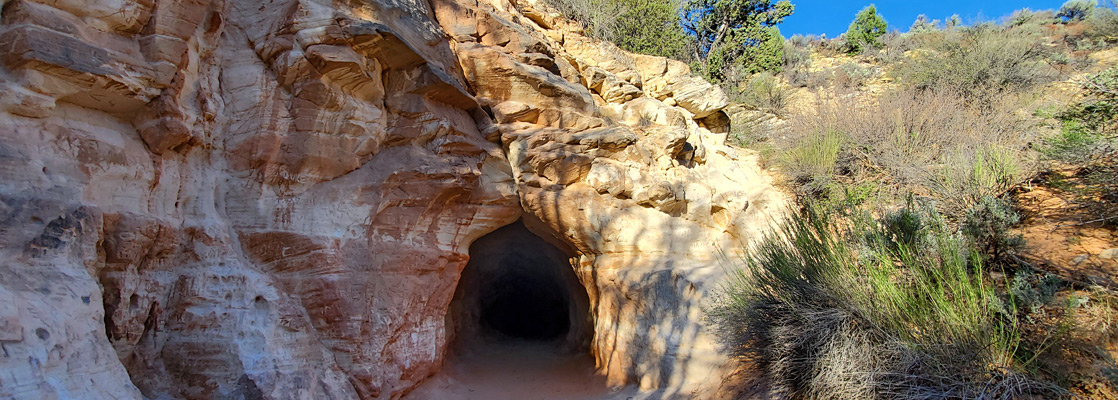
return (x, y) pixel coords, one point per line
(226, 199)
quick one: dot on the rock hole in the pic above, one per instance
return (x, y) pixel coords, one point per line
(260, 303)
(133, 302)
(519, 323)
(519, 286)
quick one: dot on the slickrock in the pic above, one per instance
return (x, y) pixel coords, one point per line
(244, 199)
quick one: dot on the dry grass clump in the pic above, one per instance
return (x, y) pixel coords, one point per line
(928, 142)
(866, 311)
(979, 63)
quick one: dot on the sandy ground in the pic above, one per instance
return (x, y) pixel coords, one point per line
(517, 370)
(1058, 241)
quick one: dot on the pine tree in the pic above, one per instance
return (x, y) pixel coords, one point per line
(731, 33)
(866, 30)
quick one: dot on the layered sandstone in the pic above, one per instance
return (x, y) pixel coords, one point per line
(233, 198)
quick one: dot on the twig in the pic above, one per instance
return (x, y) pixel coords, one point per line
(1084, 223)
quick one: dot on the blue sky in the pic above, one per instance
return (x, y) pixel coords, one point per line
(833, 16)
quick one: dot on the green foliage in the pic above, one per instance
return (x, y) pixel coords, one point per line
(851, 75)
(1099, 113)
(651, 27)
(968, 175)
(987, 224)
(1088, 139)
(1077, 10)
(1103, 24)
(764, 93)
(598, 18)
(641, 26)
(953, 22)
(1074, 143)
(1031, 292)
(814, 158)
(736, 34)
(795, 56)
(839, 310)
(923, 24)
(905, 226)
(768, 55)
(866, 30)
(1021, 17)
(980, 64)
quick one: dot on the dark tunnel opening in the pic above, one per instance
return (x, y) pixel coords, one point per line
(519, 325)
(524, 306)
(519, 286)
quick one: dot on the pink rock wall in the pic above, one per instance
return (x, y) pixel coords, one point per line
(233, 198)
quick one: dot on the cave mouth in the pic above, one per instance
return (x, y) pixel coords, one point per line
(525, 306)
(520, 286)
(519, 324)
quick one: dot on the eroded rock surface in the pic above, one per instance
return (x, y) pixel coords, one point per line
(244, 199)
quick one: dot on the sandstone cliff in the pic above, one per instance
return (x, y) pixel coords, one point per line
(275, 199)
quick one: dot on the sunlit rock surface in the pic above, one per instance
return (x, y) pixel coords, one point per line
(233, 198)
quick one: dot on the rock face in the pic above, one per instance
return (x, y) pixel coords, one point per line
(245, 199)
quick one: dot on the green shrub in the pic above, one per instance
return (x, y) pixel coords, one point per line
(905, 226)
(1031, 292)
(866, 30)
(1103, 24)
(814, 158)
(598, 18)
(851, 75)
(913, 141)
(988, 223)
(1077, 10)
(640, 26)
(980, 64)
(831, 318)
(795, 57)
(1074, 143)
(923, 24)
(736, 35)
(651, 27)
(763, 92)
(968, 175)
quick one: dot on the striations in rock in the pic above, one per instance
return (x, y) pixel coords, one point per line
(246, 199)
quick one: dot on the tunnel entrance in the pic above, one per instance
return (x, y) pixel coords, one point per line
(519, 286)
(519, 323)
(525, 306)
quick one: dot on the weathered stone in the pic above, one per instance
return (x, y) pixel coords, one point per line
(1109, 254)
(230, 199)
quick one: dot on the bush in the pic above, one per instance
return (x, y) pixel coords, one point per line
(851, 75)
(736, 35)
(1077, 10)
(795, 57)
(599, 18)
(1103, 24)
(763, 92)
(911, 141)
(923, 24)
(968, 175)
(981, 64)
(829, 316)
(640, 26)
(1030, 293)
(987, 224)
(651, 27)
(813, 158)
(866, 30)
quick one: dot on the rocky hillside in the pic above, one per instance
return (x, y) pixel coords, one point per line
(243, 199)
